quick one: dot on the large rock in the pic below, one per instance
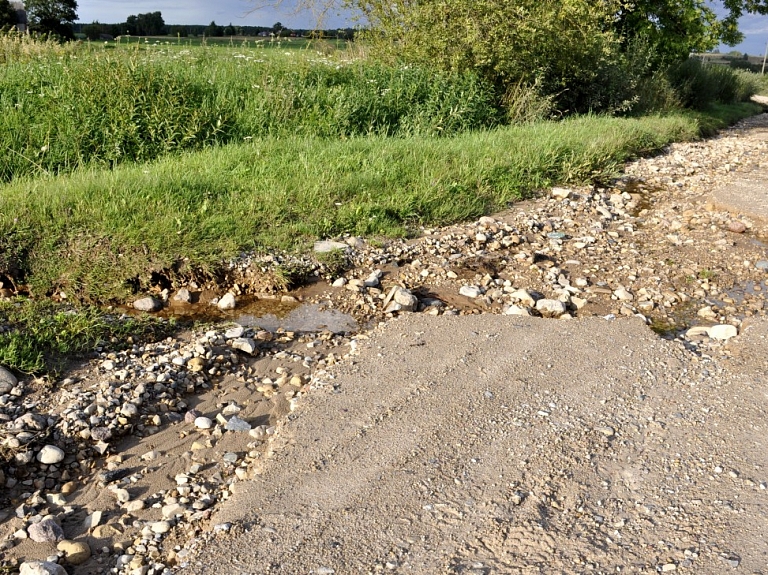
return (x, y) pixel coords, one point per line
(228, 301)
(7, 380)
(148, 304)
(47, 531)
(245, 344)
(550, 307)
(723, 332)
(41, 568)
(50, 455)
(75, 552)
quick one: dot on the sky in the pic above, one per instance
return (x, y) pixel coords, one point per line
(223, 12)
(241, 13)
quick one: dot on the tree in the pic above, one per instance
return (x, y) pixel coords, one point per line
(93, 31)
(52, 17)
(7, 14)
(149, 24)
(229, 30)
(213, 30)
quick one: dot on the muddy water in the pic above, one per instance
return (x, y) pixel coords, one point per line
(266, 312)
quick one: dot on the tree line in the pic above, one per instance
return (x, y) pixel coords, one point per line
(152, 24)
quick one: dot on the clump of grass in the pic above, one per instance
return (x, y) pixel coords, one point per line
(90, 233)
(39, 336)
(18, 47)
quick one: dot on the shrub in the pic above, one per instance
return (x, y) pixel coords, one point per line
(699, 85)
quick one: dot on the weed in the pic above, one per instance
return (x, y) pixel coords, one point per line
(37, 336)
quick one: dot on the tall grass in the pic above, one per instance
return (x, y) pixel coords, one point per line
(102, 108)
(699, 85)
(89, 233)
(18, 47)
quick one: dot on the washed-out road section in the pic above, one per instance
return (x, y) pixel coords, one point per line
(492, 444)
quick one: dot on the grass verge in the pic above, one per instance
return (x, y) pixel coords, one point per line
(39, 336)
(91, 234)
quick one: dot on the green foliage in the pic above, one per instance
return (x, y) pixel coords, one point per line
(700, 85)
(8, 15)
(673, 29)
(38, 336)
(149, 24)
(52, 17)
(107, 107)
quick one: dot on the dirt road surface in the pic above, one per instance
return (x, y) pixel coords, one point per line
(492, 444)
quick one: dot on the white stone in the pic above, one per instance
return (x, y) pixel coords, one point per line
(203, 422)
(245, 344)
(228, 301)
(516, 310)
(623, 295)
(129, 410)
(160, 527)
(50, 455)
(560, 193)
(550, 307)
(524, 297)
(723, 332)
(329, 246)
(470, 291)
(41, 568)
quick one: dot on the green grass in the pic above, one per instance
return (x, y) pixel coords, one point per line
(101, 108)
(91, 233)
(39, 336)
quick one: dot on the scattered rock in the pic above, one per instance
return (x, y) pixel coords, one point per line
(227, 302)
(148, 304)
(237, 424)
(183, 296)
(722, 332)
(46, 531)
(75, 552)
(737, 227)
(550, 308)
(41, 568)
(245, 344)
(50, 455)
(203, 422)
(470, 291)
(7, 380)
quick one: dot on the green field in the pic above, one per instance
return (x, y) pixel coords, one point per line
(258, 42)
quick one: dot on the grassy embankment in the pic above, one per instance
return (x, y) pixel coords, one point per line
(106, 188)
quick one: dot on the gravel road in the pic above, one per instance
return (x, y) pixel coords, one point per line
(490, 444)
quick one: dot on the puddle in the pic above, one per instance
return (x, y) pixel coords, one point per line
(750, 288)
(642, 195)
(304, 318)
